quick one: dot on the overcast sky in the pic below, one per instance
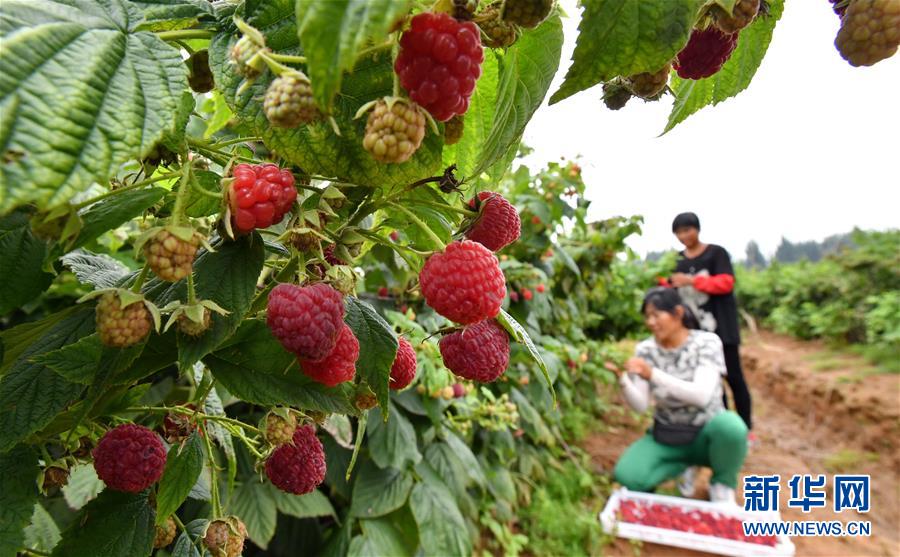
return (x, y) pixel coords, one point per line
(811, 148)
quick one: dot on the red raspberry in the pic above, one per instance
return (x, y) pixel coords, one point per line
(540, 288)
(403, 371)
(298, 467)
(479, 352)
(705, 53)
(306, 320)
(260, 196)
(497, 224)
(439, 61)
(513, 296)
(463, 283)
(129, 458)
(527, 295)
(339, 365)
(458, 390)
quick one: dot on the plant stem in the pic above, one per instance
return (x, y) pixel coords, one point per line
(213, 476)
(235, 141)
(123, 189)
(184, 187)
(288, 58)
(418, 222)
(192, 294)
(373, 48)
(443, 206)
(185, 34)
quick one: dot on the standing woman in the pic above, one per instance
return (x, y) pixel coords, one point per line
(705, 279)
(680, 370)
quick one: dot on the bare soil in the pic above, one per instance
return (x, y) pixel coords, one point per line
(810, 418)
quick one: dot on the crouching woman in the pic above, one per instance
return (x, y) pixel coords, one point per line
(680, 369)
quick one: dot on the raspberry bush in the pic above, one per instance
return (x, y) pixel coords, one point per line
(251, 289)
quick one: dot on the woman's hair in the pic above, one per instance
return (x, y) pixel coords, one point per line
(686, 219)
(667, 300)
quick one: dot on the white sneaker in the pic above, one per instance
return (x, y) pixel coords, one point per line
(721, 493)
(685, 483)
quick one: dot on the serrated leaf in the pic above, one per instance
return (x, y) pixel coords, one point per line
(377, 347)
(16, 340)
(520, 335)
(392, 443)
(21, 263)
(477, 121)
(626, 37)
(31, 395)
(467, 457)
(214, 407)
(254, 503)
(83, 486)
(114, 211)
(379, 491)
(18, 493)
(183, 466)
(97, 269)
(303, 506)
(116, 524)
(42, 533)
(332, 34)
(184, 547)
(121, 101)
(735, 75)
(167, 15)
(442, 529)
(526, 71)
(254, 367)
(83, 361)
(315, 147)
(379, 538)
(199, 204)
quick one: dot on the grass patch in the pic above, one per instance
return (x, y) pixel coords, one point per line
(847, 460)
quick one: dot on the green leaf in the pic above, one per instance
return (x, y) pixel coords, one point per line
(120, 101)
(18, 493)
(184, 547)
(183, 466)
(392, 443)
(167, 15)
(377, 347)
(315, 147)
(735, 75)
(83, 486)
(42, 533)
(379, 538)
(76, 362)
(116, 524)
(478, 120)
(379, 491)
(442, 530)
(16, 340)
(214, 407)
(21, 263)
(254, 503)
(332, 34)
(97, 269)
(31, 395)
(114, 211)
(526, 71)
(466, 456)
(520, 335)
(626, 37)
(199, 204)
(304, 506)
(448, 465)
(226, 276)
(254, 367)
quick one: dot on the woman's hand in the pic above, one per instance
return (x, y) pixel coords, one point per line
(681, 279)
(640, 367)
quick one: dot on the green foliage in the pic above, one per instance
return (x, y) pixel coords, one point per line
(850, 296)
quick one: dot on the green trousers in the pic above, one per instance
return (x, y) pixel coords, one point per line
(721, 445)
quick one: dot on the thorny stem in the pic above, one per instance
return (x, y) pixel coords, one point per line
(188, 411)
(123, 189)
(185, 34)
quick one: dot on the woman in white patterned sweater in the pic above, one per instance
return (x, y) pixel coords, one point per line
(680, 369)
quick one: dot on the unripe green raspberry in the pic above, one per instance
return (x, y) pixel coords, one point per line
(499, 32)
(453, 130)
(649, 84)
(289, 101)
(870, 31)
(280, 430)
(165, 534)
(741, 16)
(527, 13)
(394, 130)
(120, 327)
(171, 257)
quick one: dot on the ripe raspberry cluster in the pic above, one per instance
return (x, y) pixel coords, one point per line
(260, 195)
(705, 53)
(129, 458)
(306, 319)
(694, 521)
(403, 370)
(479, 352)
(497, 224)
(439, 61)
(339, 365)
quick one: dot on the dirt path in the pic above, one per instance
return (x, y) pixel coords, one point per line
(816, 413)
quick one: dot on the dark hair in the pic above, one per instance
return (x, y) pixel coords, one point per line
(686, 219)
(667, 300)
